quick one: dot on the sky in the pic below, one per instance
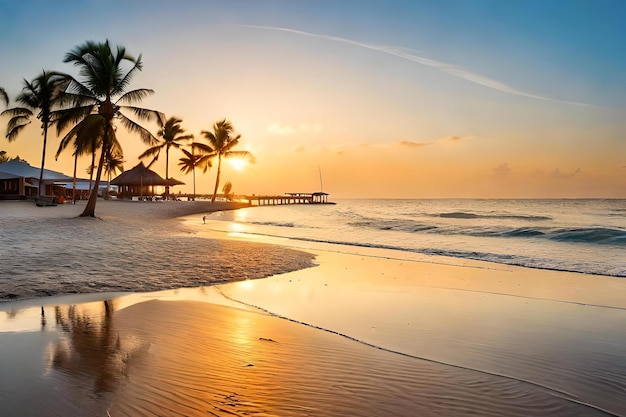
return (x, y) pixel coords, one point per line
(384, 99)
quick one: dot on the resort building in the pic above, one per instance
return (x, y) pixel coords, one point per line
(20, 180)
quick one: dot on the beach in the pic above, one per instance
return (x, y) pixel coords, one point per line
(175, 318)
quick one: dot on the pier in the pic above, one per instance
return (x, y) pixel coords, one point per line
(263, 200)
(287, 198)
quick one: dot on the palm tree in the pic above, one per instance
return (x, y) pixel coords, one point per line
(101, 91)
(43, 94)
(113, 162)
(172, 134)
(191, 160)
(86, 138)
(4, 97)
(222, 143)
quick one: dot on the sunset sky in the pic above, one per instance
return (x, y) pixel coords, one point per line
(406, 99)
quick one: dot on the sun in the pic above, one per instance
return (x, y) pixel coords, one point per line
(238, 163)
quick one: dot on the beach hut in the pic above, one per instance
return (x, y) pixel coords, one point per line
(141, 182)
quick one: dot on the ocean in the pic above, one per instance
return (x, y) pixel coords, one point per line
(585, 236)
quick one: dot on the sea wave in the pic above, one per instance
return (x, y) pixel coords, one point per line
(591, 235)
(397, 225)
(600, 235)
(277, 224)
(469, 215)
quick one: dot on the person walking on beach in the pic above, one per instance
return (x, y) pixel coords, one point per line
(203, 219)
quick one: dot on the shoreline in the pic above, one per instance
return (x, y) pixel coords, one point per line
(362, 333)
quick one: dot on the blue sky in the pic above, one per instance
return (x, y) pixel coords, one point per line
(465, 98)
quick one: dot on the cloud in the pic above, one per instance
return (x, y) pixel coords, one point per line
(414, 56)
(558, 174)
(502, 170)
(299, 148)
(283, 130)
(409, 144)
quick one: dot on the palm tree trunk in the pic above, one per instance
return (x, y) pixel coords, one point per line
(90, 209)
(93, 160)
(167, 162)
(74, 180)
(43, 160)
(194, 183)
(217, 179)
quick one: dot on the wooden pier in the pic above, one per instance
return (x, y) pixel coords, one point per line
(287, 198)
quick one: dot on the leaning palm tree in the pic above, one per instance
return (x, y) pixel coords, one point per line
(103, 91)
(42, 93)
(172, 134)
(222, 143)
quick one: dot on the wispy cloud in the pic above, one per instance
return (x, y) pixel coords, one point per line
(278, 129)
(410, 144)
(414, 56)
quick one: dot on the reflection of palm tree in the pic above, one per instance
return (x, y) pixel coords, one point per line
(172, 134)
(222, 143)
(93, 346)
(42, 94)
(103, 88)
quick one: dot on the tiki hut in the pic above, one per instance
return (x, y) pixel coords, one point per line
(141, 182)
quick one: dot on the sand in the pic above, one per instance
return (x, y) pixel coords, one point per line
(365, 333)
(131, 246)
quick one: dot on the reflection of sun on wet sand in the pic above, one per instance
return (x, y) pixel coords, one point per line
(361, 334)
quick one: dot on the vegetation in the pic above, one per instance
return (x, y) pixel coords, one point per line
(191, 160)
(98, 99)
(222, 144)
(172, 134)
(4, 97)
(43, 93)
(87, 110)
(227, 189)
(113, 162)
(4, 157)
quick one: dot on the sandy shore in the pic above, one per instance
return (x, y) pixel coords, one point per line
(363, 334)
(131, 246)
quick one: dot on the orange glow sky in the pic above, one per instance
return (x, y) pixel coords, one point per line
(389, 99)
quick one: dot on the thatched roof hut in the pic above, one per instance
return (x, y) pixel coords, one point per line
(141, 181)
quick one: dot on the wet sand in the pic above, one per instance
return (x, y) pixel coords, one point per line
(362, 334)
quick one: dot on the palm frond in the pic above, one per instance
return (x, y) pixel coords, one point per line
(145, 114)
(87, 135)
(203, 148)
(4, 96)
(154, 152)
(15, 126)
(133, 127)
(240, 154)
(71, 116)
(17, 111)
(135, 96)
(205, 162)
(123, 82)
